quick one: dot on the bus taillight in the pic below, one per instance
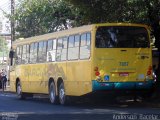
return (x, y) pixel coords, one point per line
(97, 73)
(149, 72)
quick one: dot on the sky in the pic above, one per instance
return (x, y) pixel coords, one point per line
(5, 6)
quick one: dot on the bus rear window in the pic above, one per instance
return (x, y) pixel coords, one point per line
(122, 37)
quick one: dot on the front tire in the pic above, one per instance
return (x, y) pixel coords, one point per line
(20, 94)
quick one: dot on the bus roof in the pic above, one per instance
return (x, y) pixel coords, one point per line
(68, 32)
(53, 35)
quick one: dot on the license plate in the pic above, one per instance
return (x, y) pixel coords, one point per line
(123, 74)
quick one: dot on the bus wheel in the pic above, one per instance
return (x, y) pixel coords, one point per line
(52, 93)
(63, 99)
(20, 94)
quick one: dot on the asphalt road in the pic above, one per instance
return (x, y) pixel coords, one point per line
(40, 109)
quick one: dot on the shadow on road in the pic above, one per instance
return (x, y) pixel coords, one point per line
(103, 102)
(82, 108)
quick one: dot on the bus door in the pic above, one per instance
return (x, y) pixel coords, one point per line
(11, 76)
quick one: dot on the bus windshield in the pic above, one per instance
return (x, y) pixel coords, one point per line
(122, 37)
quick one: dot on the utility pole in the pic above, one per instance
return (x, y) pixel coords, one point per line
(12, 32)
(12, 21)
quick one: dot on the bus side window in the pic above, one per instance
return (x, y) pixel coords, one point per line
(35, 52)
(85, 46)
(44, 51)
(24, 54)
(64, 49)
(88, 39)
(31, 53)
(40, 51)
(70, 47)
(51, 50)
(73, 47)
(54, 50)
(59, 49)
(19, 55)
(27, 55)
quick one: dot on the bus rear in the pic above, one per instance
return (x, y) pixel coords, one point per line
(122, 58)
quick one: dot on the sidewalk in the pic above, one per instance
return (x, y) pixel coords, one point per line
(6, 90)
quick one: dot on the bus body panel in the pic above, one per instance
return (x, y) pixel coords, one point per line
(122, 67)
(36, 78)
(22, 73)
(78, 78)
(12, 80)
(119, 67)
(56, 71)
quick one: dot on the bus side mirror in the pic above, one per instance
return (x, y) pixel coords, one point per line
(11, 56)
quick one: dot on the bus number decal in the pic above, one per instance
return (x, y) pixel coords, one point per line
(123, 63)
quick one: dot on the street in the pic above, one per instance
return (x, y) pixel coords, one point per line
(40, 109)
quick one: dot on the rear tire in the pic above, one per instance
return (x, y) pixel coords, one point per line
(63, 99)
(52, 93)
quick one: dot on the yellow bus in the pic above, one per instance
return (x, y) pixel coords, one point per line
(83, 60)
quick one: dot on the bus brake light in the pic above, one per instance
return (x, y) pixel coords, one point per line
(97, 73)
(149, 72)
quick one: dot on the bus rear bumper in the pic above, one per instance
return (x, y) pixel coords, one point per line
(121, 85)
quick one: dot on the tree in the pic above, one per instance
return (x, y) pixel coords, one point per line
(3, 48)
(3, 45)
(135, 11)
(35, 17)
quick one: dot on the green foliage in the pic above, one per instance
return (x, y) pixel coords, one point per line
(35, 17)
(96, 11)
(3, 45)
(135, 11)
